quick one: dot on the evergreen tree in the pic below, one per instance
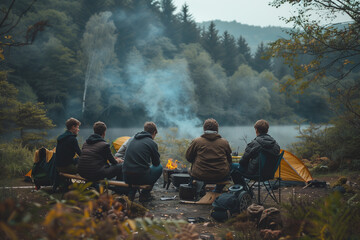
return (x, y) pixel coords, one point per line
(22, 116)
(189, 30)
(280, 69)
(135, 20)
(30, 117)
(259, 63)
(169, 20)
(230, 59)
(56, 79)
(8, 104)
(91, 7)
(211, 42)
(244, 49)
(168, 8)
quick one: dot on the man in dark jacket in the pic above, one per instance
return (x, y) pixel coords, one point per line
(67, 146)
(210, 155)
(95, 154)
(142, 160)
(249, 163)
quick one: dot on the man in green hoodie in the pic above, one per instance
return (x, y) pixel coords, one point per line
(142, 160)
(67, 146)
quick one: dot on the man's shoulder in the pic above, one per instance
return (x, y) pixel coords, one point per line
(99, 144)
(222, 141)
(142, 141)
(198, 140)
(254, 142)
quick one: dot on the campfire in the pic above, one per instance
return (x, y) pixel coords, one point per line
(171, 168)
(174, 164)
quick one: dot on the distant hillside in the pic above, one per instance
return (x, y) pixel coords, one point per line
(254, 35)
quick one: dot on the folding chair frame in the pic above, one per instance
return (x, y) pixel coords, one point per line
(265, 182)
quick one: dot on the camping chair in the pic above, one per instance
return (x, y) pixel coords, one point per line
(267, 170)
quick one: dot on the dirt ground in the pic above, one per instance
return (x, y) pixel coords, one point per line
(171, 209)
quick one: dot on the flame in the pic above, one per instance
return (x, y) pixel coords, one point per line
(172, 165)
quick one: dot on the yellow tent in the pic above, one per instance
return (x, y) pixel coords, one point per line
(119, 142)
(293, 169)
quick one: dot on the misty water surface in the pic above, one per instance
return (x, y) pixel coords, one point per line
(237, 136)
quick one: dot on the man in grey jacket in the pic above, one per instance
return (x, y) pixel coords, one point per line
(142, 160)
(249, 163)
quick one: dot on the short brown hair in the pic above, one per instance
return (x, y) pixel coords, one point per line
(72, 122)
(150, 127)
(99, 128)
(211, 124)
(262, 126)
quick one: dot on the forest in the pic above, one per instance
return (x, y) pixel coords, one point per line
(125, 62)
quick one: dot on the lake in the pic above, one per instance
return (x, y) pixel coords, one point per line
(238, 136)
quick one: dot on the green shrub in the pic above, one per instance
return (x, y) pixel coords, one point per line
(47, 143)
(312, 142)
(327, 218)
(15, 159)
(339, 142)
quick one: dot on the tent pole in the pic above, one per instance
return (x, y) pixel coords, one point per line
(280, 181)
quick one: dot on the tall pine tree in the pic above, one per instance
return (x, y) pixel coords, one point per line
(211, 42)
(169, 20)
(244, 49)
(230, 57)
(260, 64)
(189, 31)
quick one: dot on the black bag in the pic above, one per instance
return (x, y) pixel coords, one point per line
(43, 171)
(230, 204)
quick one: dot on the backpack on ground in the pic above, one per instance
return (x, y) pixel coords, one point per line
(230, 204)
(43, 170)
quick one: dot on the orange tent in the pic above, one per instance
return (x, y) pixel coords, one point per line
(293, 169)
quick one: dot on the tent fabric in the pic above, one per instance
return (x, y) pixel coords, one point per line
(119, 142)
(49, 155)
(293, 169)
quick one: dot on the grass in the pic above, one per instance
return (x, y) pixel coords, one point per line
(333, 176)
(15, 159)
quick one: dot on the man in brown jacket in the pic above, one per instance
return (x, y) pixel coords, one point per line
(210, 155)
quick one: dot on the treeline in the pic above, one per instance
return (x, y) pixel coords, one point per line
(254, 35)
(125, 62)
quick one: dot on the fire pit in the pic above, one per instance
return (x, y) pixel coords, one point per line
(171, 168)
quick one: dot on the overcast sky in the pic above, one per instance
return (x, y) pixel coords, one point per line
(251, 12)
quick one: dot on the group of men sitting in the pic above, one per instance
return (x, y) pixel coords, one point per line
(138, 165)
(138, 160)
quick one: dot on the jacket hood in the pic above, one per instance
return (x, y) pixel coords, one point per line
(65, 135)
(211, 136)
(266, 141)
(143, 134)
(94, 138)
